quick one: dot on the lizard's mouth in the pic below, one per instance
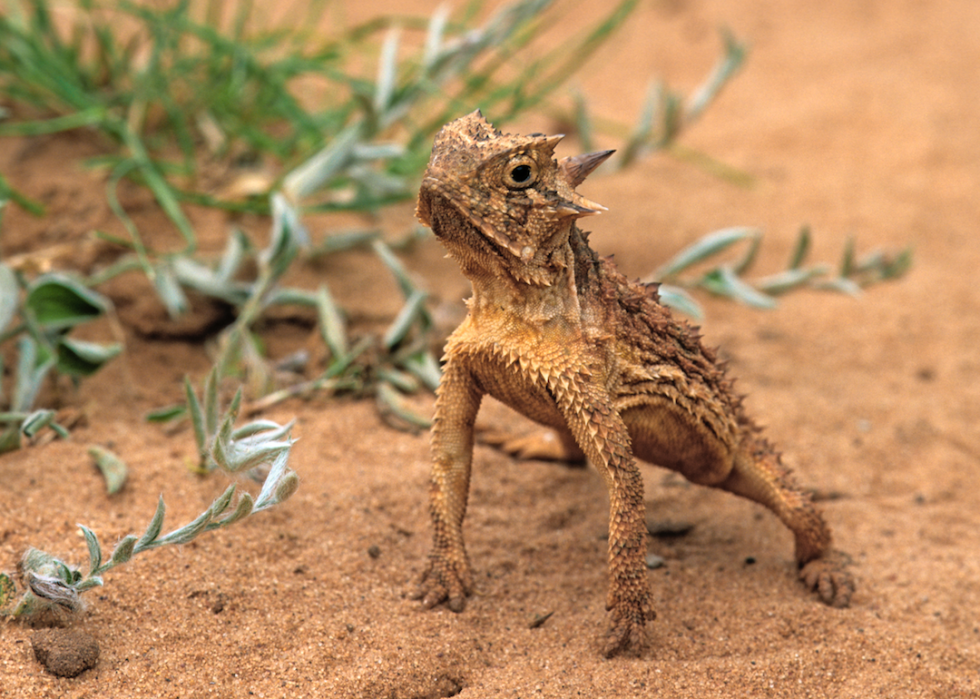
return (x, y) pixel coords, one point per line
(422, 211)
(474, 242)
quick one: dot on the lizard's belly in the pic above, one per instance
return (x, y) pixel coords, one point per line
(519, 389)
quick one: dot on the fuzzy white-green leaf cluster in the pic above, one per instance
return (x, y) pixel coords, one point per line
(727, 278)
(52, 583)
(220, 444)
(48, 308)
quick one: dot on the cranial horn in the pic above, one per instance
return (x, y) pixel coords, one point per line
(576, 168)
(579, 207)
(548, 143)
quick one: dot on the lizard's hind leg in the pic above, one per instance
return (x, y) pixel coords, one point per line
(759, 475)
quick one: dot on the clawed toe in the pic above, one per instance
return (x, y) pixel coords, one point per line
(442, 583)
(829, 578)
(429, 595)
(627, 628)
(625, 637)
(627, 633)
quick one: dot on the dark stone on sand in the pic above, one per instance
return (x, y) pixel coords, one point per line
(65, 652)
(669, 529)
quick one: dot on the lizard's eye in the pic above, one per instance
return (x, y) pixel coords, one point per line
(521, 173)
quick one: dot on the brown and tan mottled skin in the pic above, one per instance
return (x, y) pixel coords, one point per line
(561, 336)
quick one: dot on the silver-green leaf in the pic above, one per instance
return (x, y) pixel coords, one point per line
(9, 293)
(58, 302)
(114, 470)
(94, 549)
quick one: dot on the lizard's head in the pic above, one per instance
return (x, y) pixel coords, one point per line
(502, 201)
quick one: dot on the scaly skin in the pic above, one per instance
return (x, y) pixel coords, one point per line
(561, 336)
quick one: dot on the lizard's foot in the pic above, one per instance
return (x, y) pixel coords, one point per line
(829, 578)
(444, 580)
(544, 445)
(627, 625)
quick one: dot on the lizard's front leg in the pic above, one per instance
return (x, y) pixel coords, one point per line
(447, 575)
(603, 436)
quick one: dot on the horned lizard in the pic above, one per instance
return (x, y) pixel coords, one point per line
(558, 334)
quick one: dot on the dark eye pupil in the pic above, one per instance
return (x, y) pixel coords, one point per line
(521, 174)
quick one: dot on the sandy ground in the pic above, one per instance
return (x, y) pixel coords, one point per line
(858, 118)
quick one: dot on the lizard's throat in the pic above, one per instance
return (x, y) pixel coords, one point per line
(485, 261)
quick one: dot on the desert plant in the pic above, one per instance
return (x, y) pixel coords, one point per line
(385, 365)
(727, 278)
(223, 88)
(52, 583)
(52, 306)
(219, 445)
(113, 469)
(235, 88)
(183, 96)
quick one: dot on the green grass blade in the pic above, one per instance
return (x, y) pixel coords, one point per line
(162, 191)
(331, 322)
(323, 166)
(407, 317)
(847, 259)
(93, 116)
(722, 73)
(724, 282)
(706, 247)
(197, 419)
(789, 279)
(395, 266)
(802, 248)
(679, 300)
(387, 72)
(9, 296)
